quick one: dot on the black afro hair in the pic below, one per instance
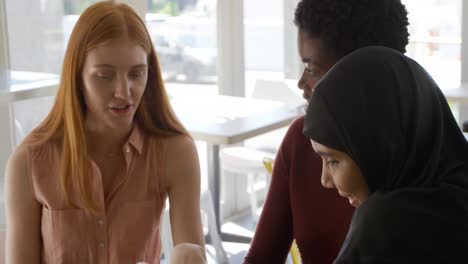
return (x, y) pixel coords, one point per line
(347, 25)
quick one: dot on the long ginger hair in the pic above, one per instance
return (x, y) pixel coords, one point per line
(100, 24)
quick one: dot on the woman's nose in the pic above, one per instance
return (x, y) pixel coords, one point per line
(327, 180)
(122, 89)
(302, 81)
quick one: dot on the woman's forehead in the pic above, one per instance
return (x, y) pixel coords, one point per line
(121, 53)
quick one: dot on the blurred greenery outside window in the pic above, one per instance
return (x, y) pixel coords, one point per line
(75, 7)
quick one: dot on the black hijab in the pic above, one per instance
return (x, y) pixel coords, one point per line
(384, 110)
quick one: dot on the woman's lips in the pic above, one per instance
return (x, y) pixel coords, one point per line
(354, 202)
(121, 109)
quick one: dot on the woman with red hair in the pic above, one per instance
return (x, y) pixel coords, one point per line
(89, 184)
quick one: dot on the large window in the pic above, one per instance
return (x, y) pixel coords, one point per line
(38, 32)
(183, 31)
(184, 34)
(270, 51)
(264, 45)
(435, 38)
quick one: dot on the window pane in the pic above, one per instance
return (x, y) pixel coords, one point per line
(38, 32)
(265, 52)
(435, 38)
(184, 35)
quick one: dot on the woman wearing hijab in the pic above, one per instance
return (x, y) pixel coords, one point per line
(390, 145)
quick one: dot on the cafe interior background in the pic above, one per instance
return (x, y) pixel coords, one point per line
(206, 48)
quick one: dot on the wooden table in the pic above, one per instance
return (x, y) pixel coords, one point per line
(224, 120)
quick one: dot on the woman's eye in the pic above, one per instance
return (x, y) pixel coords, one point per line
(104, 76)
(136, 75)
(333, 163)
(310, 71)
(314, 74)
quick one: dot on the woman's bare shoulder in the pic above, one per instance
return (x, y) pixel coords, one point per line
(180, 142)
(180, 147)
(19, 155)
(181, 157)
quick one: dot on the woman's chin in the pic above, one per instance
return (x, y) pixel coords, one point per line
(354, 202)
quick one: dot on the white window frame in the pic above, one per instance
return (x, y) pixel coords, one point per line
(463, 108)
(5, 132)
(230, 42)
(464, 43)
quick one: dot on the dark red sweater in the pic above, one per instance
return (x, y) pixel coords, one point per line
(298, 206)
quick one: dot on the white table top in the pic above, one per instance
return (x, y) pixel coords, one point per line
(458, 95)
(229, 120)
(20, 85)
